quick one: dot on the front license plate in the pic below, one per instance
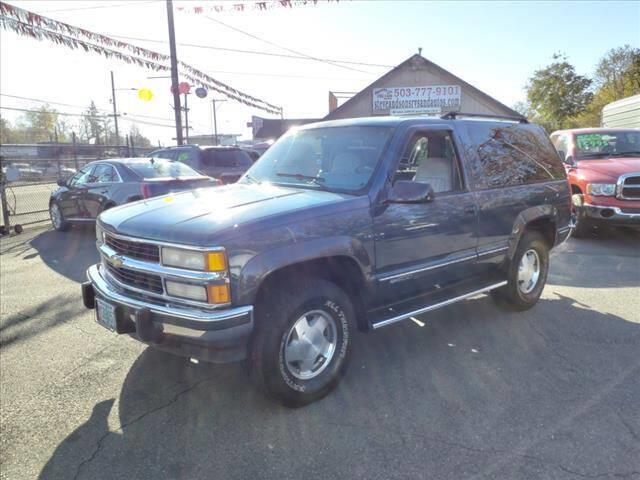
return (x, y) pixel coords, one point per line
(106, 314)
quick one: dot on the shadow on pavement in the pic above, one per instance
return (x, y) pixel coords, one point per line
(599, 261)
(68, 253)
(463, 394)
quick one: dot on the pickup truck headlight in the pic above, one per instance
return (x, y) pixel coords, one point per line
(601, 189)
(213, 294)
(194, 260)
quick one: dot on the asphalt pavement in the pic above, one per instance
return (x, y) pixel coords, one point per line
(475, 393)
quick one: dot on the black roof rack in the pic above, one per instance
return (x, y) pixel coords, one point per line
(454, 115)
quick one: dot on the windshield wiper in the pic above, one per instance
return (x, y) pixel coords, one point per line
(252, 178)
(620, 154)
(300, 176)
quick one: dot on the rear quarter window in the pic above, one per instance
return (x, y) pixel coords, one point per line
(227, 158)
(511, 154)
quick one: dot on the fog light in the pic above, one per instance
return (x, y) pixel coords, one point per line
(607, 212)
(185, 290)
(219, 293)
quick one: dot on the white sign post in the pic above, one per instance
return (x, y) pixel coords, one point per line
(430, 100)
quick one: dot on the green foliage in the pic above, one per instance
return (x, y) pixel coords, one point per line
(557, 93)
(558, 98)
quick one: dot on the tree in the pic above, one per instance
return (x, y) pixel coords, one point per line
(557, 93)
(39, 125)
(137, 138)
(618, 72)
(95, 127)
(5, 131)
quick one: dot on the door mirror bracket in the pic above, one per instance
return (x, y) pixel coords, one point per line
(405, 191)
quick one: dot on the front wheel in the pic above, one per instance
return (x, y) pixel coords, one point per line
(57, 218)
(302, 340)
(527, 274)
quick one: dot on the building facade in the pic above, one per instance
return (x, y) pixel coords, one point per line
(418, 87)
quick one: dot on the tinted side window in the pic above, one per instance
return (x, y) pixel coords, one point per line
(512, 154)
(227, 158)
(170, 154)
(104, 174)
(82, 176)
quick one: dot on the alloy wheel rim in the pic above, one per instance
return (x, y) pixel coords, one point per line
(528, 271)
(55, 215)
(310, 344)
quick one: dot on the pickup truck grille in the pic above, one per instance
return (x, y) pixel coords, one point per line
(629, 187)
(139, 250)
(132, 278)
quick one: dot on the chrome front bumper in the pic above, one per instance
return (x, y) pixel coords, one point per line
(212, 335)
(614, 215)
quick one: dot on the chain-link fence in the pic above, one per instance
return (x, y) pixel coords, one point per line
(31, 172)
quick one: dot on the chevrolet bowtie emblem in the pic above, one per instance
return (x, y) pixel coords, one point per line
(117, 260)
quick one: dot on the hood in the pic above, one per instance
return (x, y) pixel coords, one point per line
(194, 216)
(611, 167)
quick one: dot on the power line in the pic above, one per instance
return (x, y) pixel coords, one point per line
(106, 112)
(273, 44)
(93, 7)
(254, 52)
(54, 112)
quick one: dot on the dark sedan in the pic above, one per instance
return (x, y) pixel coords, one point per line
(107, 183)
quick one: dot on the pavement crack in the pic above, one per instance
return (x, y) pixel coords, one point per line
(600, 475)
(549, 343)
(122, 427)
(628, 426)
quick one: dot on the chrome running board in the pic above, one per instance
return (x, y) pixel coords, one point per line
(444, 303)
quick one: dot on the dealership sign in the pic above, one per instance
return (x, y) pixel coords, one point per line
(429, 100)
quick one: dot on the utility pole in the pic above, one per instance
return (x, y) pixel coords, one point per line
(174, 73)
(215, 121)
(115, 110)
(186, 118)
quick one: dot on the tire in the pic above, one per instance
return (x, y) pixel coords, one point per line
(584, 226)
(57, 219)
(302, 310)
(519, 294)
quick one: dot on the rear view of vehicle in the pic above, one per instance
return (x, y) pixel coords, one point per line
(225, 163)
(603, 168)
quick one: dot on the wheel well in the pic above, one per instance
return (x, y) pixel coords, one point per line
(341, 270)
(546, 227)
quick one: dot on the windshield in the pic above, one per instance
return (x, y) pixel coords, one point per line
(330, 158)
(607, 144)
(159, 168)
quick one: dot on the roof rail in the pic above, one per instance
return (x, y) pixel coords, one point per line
(513, 118)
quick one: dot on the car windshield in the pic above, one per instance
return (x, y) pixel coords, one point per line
(329, 158)
(607, 144)
(159, 168)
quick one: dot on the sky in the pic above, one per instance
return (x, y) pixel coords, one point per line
(495, 46)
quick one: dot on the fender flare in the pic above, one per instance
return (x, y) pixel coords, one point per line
(258, 268)
(524, 218)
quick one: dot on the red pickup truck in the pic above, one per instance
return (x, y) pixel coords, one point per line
(603, 169)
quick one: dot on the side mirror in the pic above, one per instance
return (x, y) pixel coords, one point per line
(405, 191)
(62, 182)
(570, 161)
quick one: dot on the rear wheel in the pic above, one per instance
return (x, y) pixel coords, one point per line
(57, 218)
(302, 340)
(527, 274)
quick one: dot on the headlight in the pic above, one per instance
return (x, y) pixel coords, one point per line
(99, 235)
(604, 189)
(185, 290)
(209, 293)
(194, 260)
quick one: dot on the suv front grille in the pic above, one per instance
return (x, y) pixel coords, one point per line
(132, 278)
(142, 251)
(629, 187)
